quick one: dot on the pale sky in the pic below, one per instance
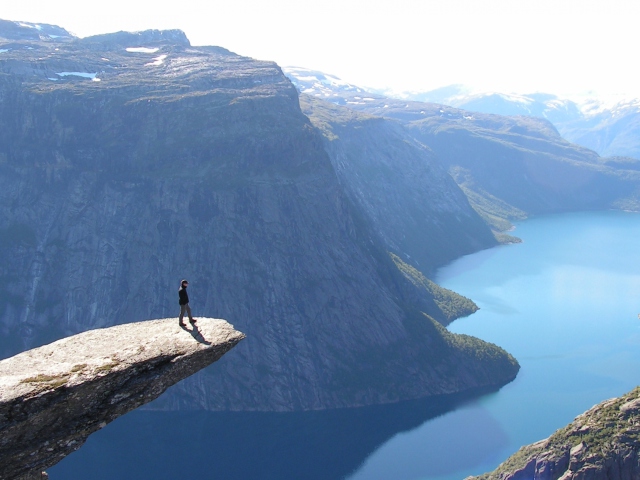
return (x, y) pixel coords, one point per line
(556, 46)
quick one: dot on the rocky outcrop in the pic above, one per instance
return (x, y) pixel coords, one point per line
(601, 444)
(53, 397)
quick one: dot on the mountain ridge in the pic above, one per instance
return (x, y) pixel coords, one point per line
(126, 169)
(509, 166)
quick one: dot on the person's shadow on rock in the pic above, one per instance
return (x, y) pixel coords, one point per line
(195, 333)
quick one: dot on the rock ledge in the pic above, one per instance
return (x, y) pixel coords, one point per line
(53, 397)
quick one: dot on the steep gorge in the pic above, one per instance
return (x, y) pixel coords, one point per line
(512, 167)
(130, 161)
(416, 207)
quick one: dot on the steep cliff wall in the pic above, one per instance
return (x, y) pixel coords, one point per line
(53, 397)
(513, 166)
(412, 201)
(601, 444)
(196, 163)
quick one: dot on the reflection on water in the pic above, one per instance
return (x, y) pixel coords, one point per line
(254, 445)
(458, 441)
(565, 303)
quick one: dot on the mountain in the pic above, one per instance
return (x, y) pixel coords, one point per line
(514, 162)
(332, 88)
(129, 161)
(401, 186)
(608, 129)
(550, 107)
(600, 444)
(546, 106)
(509, 166)
(324, 85)
(611, 131)
(31, 31)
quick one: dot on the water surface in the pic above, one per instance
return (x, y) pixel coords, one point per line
(565, 303)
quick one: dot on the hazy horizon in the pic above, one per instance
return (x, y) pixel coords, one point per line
(569, 48)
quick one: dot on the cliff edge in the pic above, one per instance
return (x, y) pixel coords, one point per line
(97, 139)
(53, 397)
(601, 444)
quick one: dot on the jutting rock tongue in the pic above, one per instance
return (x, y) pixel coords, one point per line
(53, 397)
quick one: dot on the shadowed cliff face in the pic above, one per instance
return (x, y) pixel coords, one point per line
(508, 166)
(399, 183)
(513, 166)
(185, 162)
(53, 397)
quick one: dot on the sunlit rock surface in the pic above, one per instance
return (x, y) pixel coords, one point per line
(53, 397)
(601, 444)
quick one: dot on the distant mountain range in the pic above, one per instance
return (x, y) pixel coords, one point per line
(510, 166)
(610, 130)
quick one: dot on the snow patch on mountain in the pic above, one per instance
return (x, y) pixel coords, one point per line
(30, 25)
(319, 84)
(159, 60)
(141, 50)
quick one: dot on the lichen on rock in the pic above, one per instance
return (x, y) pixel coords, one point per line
(53, 397)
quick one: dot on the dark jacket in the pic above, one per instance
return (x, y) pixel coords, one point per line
(184, 298)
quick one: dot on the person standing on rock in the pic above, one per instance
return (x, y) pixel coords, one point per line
(184, 303)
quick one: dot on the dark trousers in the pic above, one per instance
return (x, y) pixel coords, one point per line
(185, 308)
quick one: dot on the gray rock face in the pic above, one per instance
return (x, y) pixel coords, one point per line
(193, 162)
(53, 397)
(601, 444)
(512, 166)
(515, 166)
(412, 201)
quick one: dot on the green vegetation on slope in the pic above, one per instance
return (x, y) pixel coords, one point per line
(605, 430)
(451, 304)
(495, 212)
(474, 348)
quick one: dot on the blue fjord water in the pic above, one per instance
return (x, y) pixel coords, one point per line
(565, 303)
